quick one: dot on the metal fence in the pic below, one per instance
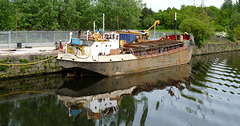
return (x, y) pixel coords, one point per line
(9, 39)
(157, 35)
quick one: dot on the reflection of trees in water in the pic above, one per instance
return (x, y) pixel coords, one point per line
(145, 110)
(234, 62)
(38, 110)
(37, 83)
(81, 120)
(5, 114)
(127, 110)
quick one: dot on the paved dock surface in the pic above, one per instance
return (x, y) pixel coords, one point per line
(27, 51)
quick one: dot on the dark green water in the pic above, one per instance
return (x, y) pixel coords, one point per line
(205, 92)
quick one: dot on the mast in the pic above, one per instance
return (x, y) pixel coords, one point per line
(93, 26)
(103, 22)
(175, 32)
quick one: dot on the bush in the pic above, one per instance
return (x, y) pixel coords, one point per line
(219, 28)
(234, 21)
(237, 32)
(231, 35)
(196, 27)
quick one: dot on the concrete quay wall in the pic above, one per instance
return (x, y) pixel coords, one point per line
(44, 62)
(216, 48)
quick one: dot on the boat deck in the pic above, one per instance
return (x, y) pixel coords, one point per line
(151, 48)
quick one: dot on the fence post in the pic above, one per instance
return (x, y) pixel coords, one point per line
(26, 37)
(54, 39)
(67, 36)
(9, 39)
(41, 38)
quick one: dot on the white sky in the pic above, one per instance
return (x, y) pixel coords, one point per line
(164, 4)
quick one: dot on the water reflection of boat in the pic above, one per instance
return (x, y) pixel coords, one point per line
(104, 97)
(74, 87)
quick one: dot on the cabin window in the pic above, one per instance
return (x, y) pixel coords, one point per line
(110, 45)
(96, 45)
(105, 45)
(110, 36)
(106, 35)
(113, 36)
(117, 37)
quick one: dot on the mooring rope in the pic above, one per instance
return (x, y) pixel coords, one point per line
(32, 63)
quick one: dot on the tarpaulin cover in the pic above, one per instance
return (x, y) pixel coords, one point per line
(128, 37)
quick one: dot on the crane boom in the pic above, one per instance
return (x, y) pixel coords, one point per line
(157, 22)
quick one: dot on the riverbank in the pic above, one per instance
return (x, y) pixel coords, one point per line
(41, 60)
(216, 45)
(210, 48)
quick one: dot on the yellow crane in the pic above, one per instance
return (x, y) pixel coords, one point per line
(156, 23)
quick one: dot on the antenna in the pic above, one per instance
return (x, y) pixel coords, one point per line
(203, 5)
(103, 23)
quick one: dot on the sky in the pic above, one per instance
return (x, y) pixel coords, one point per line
(164, 4)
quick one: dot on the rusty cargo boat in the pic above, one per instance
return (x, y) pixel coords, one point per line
(109, 55)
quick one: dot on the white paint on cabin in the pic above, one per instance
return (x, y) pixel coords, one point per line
(111, 42)
(99, 51)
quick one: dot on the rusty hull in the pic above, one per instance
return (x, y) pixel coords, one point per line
(144, 63)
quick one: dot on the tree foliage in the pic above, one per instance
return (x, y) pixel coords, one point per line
(234, 21)
(7, 15)
(228, 4)
(196, 27)
(119, 14)
(238, 5)
(237, 32)
(69, 14)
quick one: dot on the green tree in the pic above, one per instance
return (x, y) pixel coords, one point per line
(223, 18)
(146, 11)
(238, 5)
(169, 17)
(234, 21)
(237, 32)
(88, 13)
(147, 17)
(125, 13)
(70, 16)
(27, 14)
(228, 4)
(48, 15)
(199, 13)
(196, 27)
(148, 22)
(7, 15)
(233, 27)
(212, 12)
(37, 15)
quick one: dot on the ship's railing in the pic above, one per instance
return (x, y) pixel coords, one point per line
(153, 50)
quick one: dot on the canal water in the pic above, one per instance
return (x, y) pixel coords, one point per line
(203, 92)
